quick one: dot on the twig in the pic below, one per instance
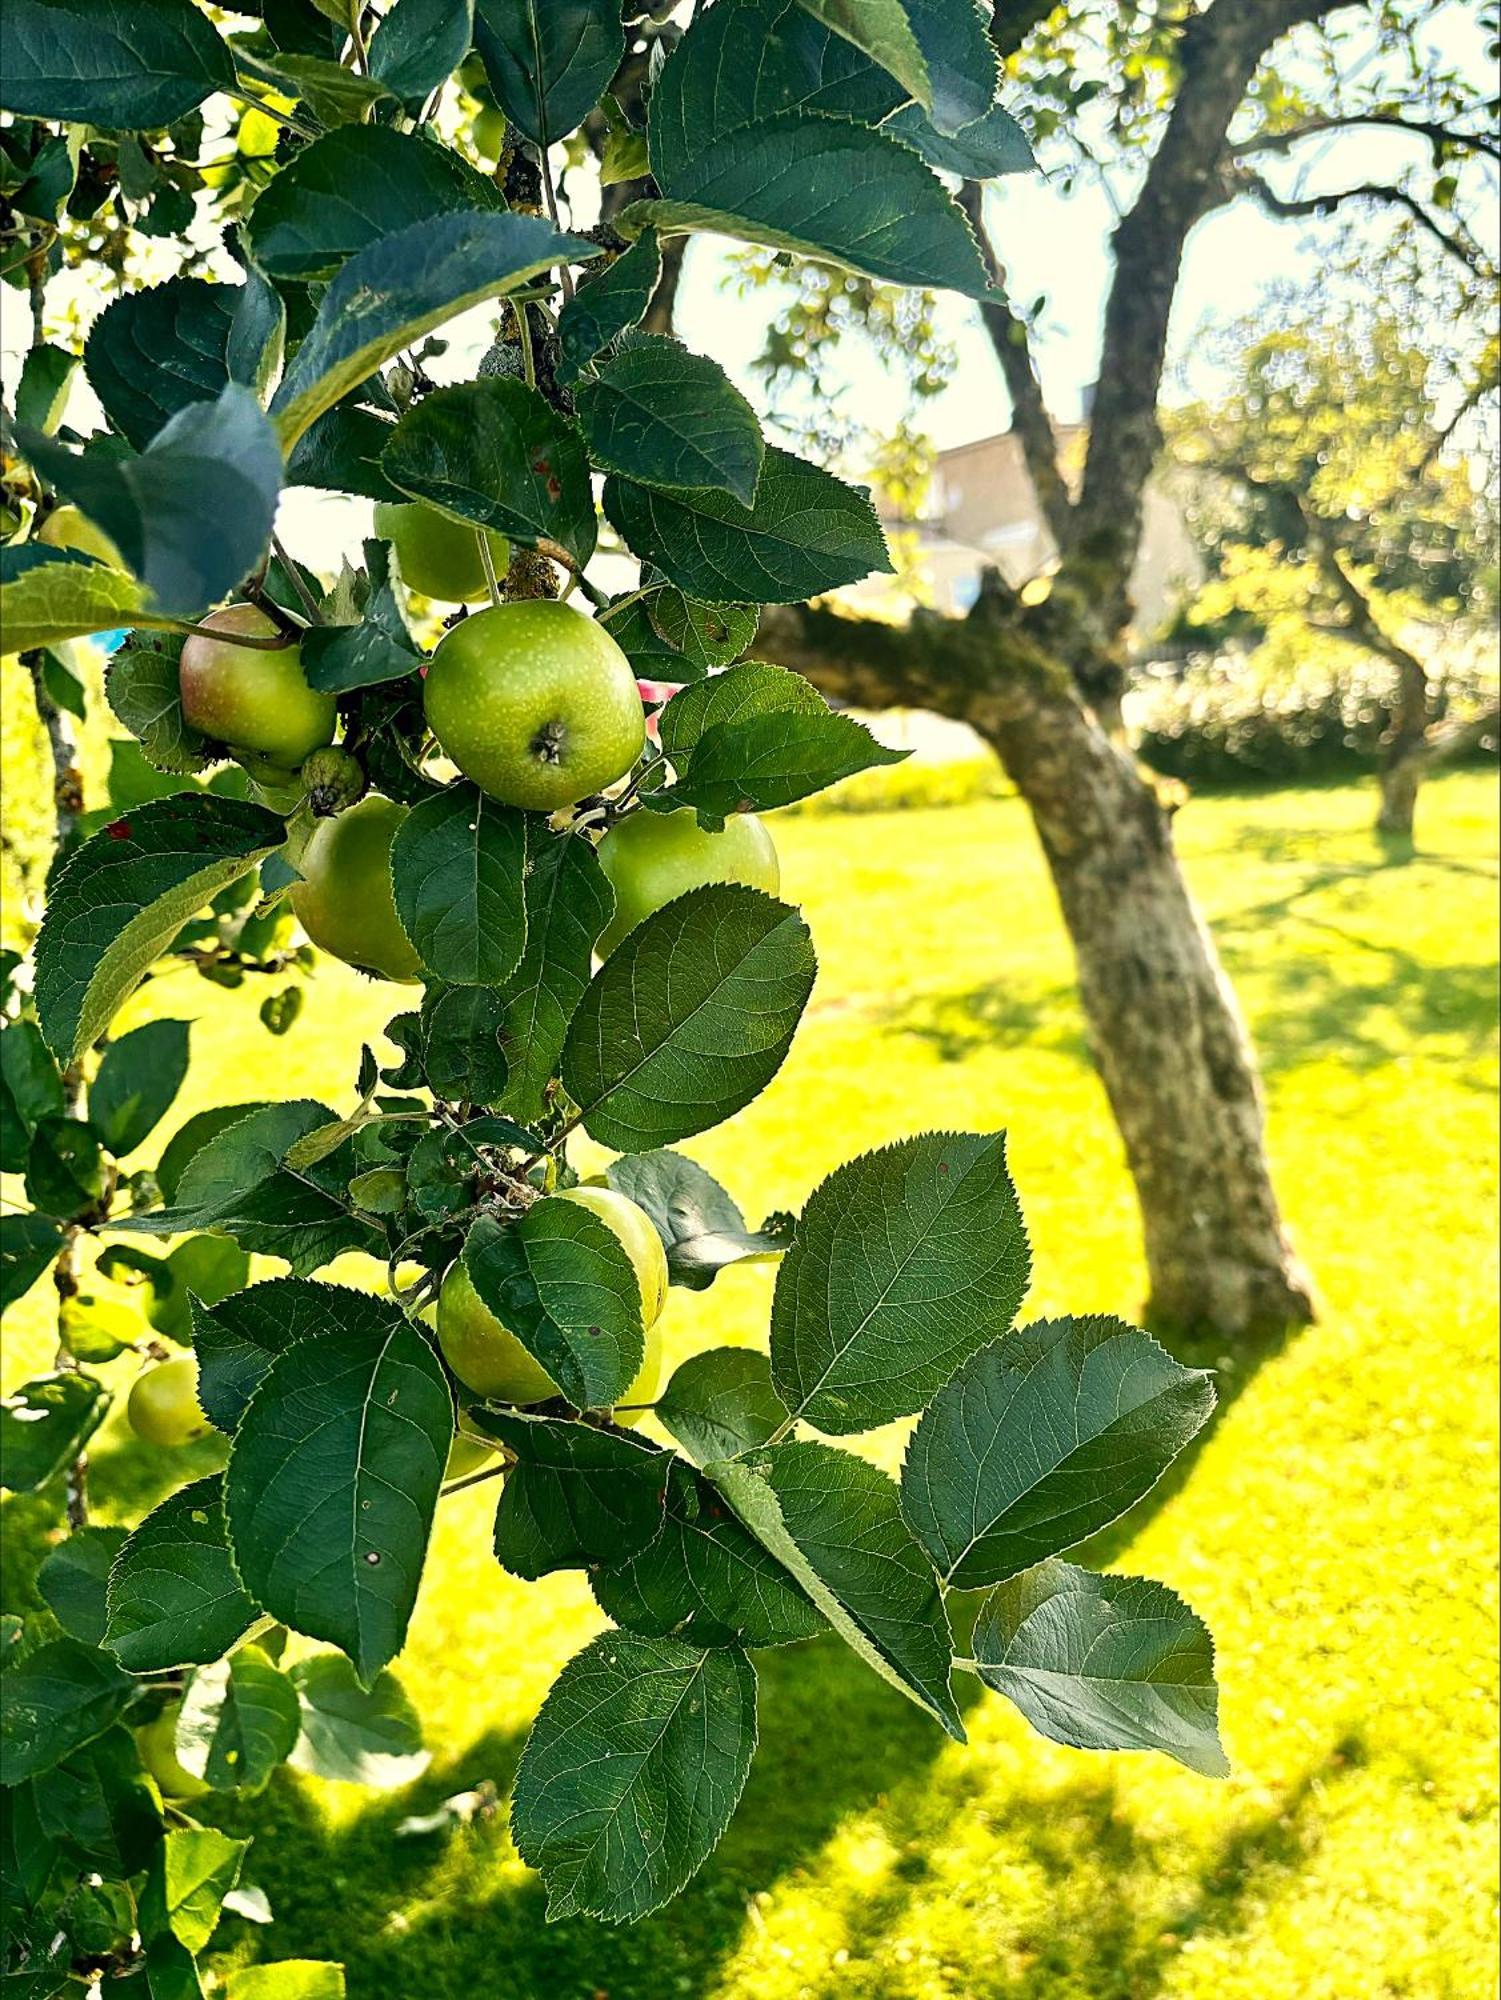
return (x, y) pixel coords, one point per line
(294, 576)
(488, 560)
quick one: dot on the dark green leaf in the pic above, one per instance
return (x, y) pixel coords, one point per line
(46, 1423)
(175, 1599)
(99, 1803)
(28, 1244)
(1104, 1663)
(701, 1228)
(704, 1579)
(746, 693)
(73, 1579)
(568, 904)
(707, 635)
(240, 1718)
(954, 36)
(200, 1267)
(604, 306)
(835, 1522)
(136, 1083)
(341, 453)
(772, 760)
(689, 1018)
(53, 1701)
(883, 30)
(721, 1403)
(496, 454)
(461, 1054)
(258, 332)
(141, 685)
(125, 65)
(548, 61)
(379, 648)
(362, 1736)
(166, 1972)
(64, 1168)
(42, 393)
(28, 1855)
(191, 1873)
(631, 1773)
(334, 93)
(31, 1089)
(806, 533)
(238, 1339)
(418, 44)
(191, 1137)
(333, 1477)
(1042, 1439)
(984, 150)
(350, 188)
(457, 867)
(192, 513)
(666, 417)
(401, 287)
(150, 354)
(576, 1497)
(563, 1285)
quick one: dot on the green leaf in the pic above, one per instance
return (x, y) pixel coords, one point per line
(461, 1054)
(606, 304)
(744, 694)
(361, 1736)
(167, 1972)
(419, 44)
(704, 1579)
(28, 1245)
(568, 903)
(378, 649)
(666, 417)
(341, 453)
(721, 1403)
(835, 1522)
(1042, 1439)
(238, 1184)
(806, 533)
(46, 1423)
(191, 1137)
(288, 1979)
(64, 1168)
(576, 1496)
(457, 867)
(47, 375)
(152, 353)
(175, 1599)
(257, 340)
(73, 1580)
(333, 1477)
(331, 92)
(124, 65)
(701, 1228)
(28, 1856)
(240, 1719)
(707, 635)
(495, 454)
(689, 1018)
(142, 687)
(205, 1267)
(906, 1261)
(192, 1872)
(191, 515)
(401, 287)
(352, 187)
(1104, 1663)
(136, 1083)
(548, 61)
(58, 1697)
(631, 1773)
(881, 29)
(99, 1804)
(31, 1090)
(992, 145)
(59, 598)
(237, 1340)
(563, 1285)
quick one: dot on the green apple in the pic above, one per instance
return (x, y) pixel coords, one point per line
(489, 131)
(488, 1358)
(157, 1742)
(652, 858)
(465, 1455)
(163, 1407)
(536, 703)
(66, 528)
(252, 698)
(438, 556)
(344, 901)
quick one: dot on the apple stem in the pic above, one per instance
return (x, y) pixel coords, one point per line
(294, 576)
(485, 556)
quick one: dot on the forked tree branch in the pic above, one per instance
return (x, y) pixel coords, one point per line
(1457, 243)
(1439, 136)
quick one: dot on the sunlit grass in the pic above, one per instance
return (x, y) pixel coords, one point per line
(1338, 1529)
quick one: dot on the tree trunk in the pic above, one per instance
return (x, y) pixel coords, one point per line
(1165, 1030)
(1400, 779)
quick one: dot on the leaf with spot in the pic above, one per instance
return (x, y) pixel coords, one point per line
(906, 1261)
(834, 1521)
(458, 865)
(334, 1475)
(689, 1018)
(174, 1597)
(561, 1282)
(576, 1496)
(240, 1718)
(124, 65)
(1104, 1663)
(667, 417)
(568, 903)
(1042, 1439)
(548, 61)
(632, 1772)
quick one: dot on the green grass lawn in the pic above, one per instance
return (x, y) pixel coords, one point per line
(1337, 1528)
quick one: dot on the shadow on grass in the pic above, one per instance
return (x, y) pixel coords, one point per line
(962, 1024)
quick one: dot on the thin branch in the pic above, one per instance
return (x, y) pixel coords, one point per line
(1441, 137)
(294, 576)
(1459, 243)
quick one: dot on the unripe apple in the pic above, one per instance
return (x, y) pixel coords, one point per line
(652, 858)
(163, 1406)
(66, 528)
(157, 1742)
(489, 131)
(437, 556)
(488, 1358)
(465, 1455)
(252, 698)
(536, 703)
(345, 901)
